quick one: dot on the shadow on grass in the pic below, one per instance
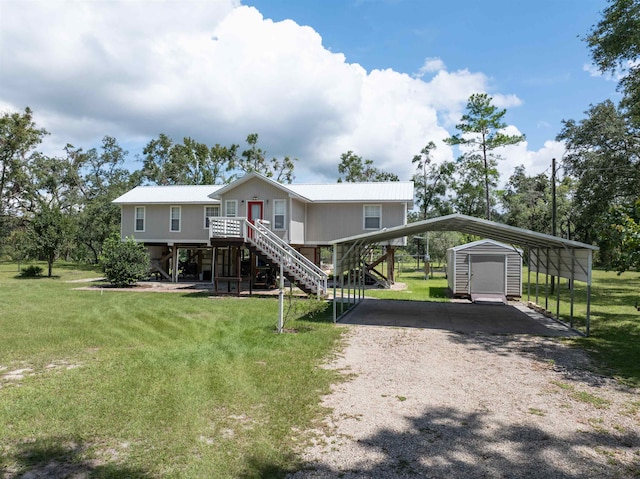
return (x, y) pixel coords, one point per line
(36, 278)
(438, 292)
(447, 442)
(62, 457)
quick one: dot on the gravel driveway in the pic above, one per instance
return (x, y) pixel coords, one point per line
(433, 403)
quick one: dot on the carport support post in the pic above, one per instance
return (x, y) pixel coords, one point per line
(546, 282)
(335, 269)
(573, 285)
(558, 287)
(529, 276)
(590, 259)
(537, 271)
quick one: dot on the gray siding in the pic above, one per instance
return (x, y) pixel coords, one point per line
(258, 190)
(460, 258)
(327, 222)
(297, 221)
(157, 224)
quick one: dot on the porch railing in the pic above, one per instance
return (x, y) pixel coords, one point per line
(304, 272)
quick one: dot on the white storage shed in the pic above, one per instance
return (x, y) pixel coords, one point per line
(485, 267)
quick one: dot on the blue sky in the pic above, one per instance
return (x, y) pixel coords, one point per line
(532, 49)
(314, 78)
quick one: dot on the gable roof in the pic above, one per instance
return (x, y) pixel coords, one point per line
(471, 225)
(174, 194)
(380, 192)
(482, 242)
(388, 191)
(234, 184)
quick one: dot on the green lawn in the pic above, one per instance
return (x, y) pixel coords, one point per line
(154, 385)
(143, 385)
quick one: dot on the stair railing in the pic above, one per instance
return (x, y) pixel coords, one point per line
(281, 252)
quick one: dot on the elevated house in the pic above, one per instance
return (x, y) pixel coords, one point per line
(245, 230)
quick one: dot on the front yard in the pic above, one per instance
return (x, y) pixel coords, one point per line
(152, 385)
(117, 384)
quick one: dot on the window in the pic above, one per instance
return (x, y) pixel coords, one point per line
(175, 218)
(279, 214)
(208, 212)
(231, 208)
(139, 226)
(372, 217)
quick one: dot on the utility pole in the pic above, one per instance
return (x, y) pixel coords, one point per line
(553, 210)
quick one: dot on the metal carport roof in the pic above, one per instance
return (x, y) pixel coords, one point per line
(553, 255)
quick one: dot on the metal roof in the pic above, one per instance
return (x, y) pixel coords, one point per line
(352, 192)
(174, 194)
(396, 191)
(391, 191)
(470, 225)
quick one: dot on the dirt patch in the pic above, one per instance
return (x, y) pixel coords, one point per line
(431, 403)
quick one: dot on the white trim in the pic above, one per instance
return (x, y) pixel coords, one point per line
(226, 208)
(173, 241)
(171, 218)
(364, 217)
(206, 226)
(135, 219)
(284, 215)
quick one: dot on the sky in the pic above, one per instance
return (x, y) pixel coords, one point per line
(314, 78)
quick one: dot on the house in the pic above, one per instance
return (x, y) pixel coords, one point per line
(485, 269)
(245, 229)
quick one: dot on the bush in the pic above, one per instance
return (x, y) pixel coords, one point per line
(31, 272)
(124, 262)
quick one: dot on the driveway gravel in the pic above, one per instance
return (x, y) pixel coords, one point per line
(433, 403)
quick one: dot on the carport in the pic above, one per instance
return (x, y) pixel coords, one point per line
(548, 256)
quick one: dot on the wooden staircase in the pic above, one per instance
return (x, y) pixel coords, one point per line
(271, 248)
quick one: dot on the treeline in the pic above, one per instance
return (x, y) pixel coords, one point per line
(53, 207)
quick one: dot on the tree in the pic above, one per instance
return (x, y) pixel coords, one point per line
(19, 135)
(603, 155)
(99, 177)
(469, 193)
(615, 48)
(355, 169)
(431, 182)
(157, 165)
(254, 159)
(124, 262)
(527, 201)
(48, 232)
(480, 135)
(621, 237)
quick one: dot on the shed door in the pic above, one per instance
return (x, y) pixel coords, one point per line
(487, 273)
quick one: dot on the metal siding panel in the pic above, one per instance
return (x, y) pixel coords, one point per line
(327, 222)
(462, 273)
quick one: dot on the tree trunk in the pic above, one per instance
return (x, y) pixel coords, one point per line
(486, 176)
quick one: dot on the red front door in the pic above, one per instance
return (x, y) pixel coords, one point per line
(254, 210)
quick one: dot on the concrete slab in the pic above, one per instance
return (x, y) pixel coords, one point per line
(464, 317)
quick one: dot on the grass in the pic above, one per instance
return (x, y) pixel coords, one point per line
(614, 340)
(141, 385)
(433, 289)
(154, 385)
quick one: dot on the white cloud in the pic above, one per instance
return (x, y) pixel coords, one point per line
(535, 162)
(617, 75)
(217, 71)
(430, 65)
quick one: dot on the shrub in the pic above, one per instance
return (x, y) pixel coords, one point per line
(31, 272)
(124, 262)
